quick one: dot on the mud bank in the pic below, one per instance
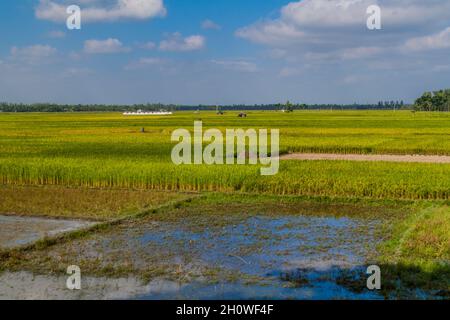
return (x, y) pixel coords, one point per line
(19, 231)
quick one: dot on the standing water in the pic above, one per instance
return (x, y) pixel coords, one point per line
(292, 257)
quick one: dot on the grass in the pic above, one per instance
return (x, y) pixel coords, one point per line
(315, 131)
(94, 204)
(99, 166)
(418, 251)
(108, 151)
(328, 178)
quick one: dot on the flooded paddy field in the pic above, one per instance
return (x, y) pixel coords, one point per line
(290, 257)
(212, 250)
(20, 231)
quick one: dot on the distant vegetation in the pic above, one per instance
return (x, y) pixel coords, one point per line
(434, 101)
(48, 107)
(429, 101)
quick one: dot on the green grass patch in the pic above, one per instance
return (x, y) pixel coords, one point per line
(418, 250)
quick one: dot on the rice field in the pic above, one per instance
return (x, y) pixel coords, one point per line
(108, 150)
(102, 167)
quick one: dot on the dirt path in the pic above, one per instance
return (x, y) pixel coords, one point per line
(367, 157)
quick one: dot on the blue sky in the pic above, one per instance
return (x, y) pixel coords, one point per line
(222, 51)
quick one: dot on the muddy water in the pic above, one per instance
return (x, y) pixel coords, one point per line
(293, 257)
(259, 257)
(18, 231)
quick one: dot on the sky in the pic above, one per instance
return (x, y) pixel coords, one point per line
(222, 51)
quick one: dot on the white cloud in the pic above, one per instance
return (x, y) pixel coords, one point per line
(148, 45)
(57, 34)
(271, 33)
(325, 13)
(441, 68)
(340, 13)
(104, 46)
(439, 40)
(210, 25)
(331, 33)
(145, 63)
(276, 53)
(237, 65)
(92, 12)
(299, 20)
(289, 72)
(177, 43)
(72, 72)
(34, 53)
(359, 52)
(323, 21)
(351, 79)
(74, 55)
(348, 54)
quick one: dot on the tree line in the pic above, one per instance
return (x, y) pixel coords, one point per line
(429, 101)
(433, 101)
(49, 107)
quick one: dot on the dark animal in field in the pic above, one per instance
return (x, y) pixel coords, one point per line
(242, 115)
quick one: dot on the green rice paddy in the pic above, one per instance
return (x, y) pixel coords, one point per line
(107, 150)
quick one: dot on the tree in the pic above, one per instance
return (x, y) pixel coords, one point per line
(433, 101)
(289, 107)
